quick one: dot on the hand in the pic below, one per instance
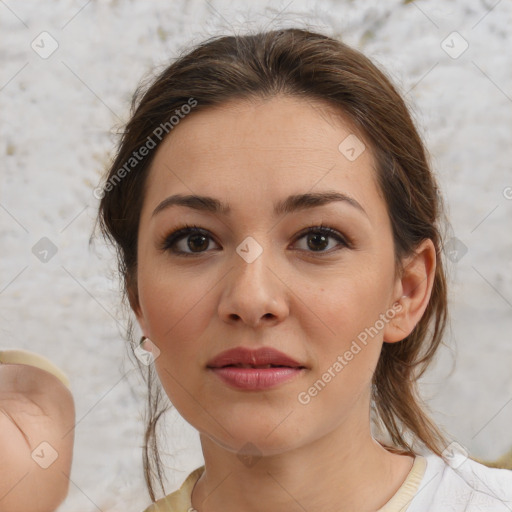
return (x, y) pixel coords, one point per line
(37, 416)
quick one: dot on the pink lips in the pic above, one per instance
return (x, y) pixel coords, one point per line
(259, 369)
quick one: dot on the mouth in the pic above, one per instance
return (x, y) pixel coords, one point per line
(258, 367)
(249, 377)
(262, 358)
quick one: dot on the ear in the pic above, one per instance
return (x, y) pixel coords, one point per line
(412, 292)
(133, 299)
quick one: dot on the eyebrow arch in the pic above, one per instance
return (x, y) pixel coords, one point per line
(290, 204)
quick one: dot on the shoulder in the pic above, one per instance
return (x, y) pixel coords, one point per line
(460, 483)
(180, 500)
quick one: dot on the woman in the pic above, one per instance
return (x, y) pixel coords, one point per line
(278, 233)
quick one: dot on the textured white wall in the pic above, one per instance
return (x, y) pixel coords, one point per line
(55, 137)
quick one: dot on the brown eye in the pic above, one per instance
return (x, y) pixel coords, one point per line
(197, 242)
(317, 239)
(187, 241)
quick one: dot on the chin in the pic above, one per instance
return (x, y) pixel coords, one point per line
(254, 440)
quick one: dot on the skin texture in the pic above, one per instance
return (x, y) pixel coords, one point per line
(35, 407)
(310, 304)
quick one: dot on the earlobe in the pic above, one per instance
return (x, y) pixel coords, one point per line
(413, 291)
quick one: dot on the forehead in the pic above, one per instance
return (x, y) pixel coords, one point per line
(263, 149)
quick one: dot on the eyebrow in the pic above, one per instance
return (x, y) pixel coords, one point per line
(290, 204)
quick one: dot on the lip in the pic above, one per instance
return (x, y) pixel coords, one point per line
(260, 357)
(256, 374)
(256, 379)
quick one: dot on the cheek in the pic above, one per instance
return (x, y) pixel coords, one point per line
(175, 308)
(350, 308)
(351, 301)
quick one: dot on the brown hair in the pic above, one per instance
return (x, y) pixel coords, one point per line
(306, 65)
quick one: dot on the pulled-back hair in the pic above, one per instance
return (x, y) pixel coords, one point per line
(311, 66)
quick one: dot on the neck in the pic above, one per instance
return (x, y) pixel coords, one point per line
(335, 473)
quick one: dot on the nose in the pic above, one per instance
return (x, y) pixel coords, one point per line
(254, 293)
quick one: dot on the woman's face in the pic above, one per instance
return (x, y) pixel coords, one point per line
(257, 278)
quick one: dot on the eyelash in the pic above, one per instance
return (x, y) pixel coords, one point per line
(187, 229)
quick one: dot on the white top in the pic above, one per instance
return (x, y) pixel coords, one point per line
(463, 485)
(432, 485)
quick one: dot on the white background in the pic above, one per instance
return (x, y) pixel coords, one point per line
(58, 119)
